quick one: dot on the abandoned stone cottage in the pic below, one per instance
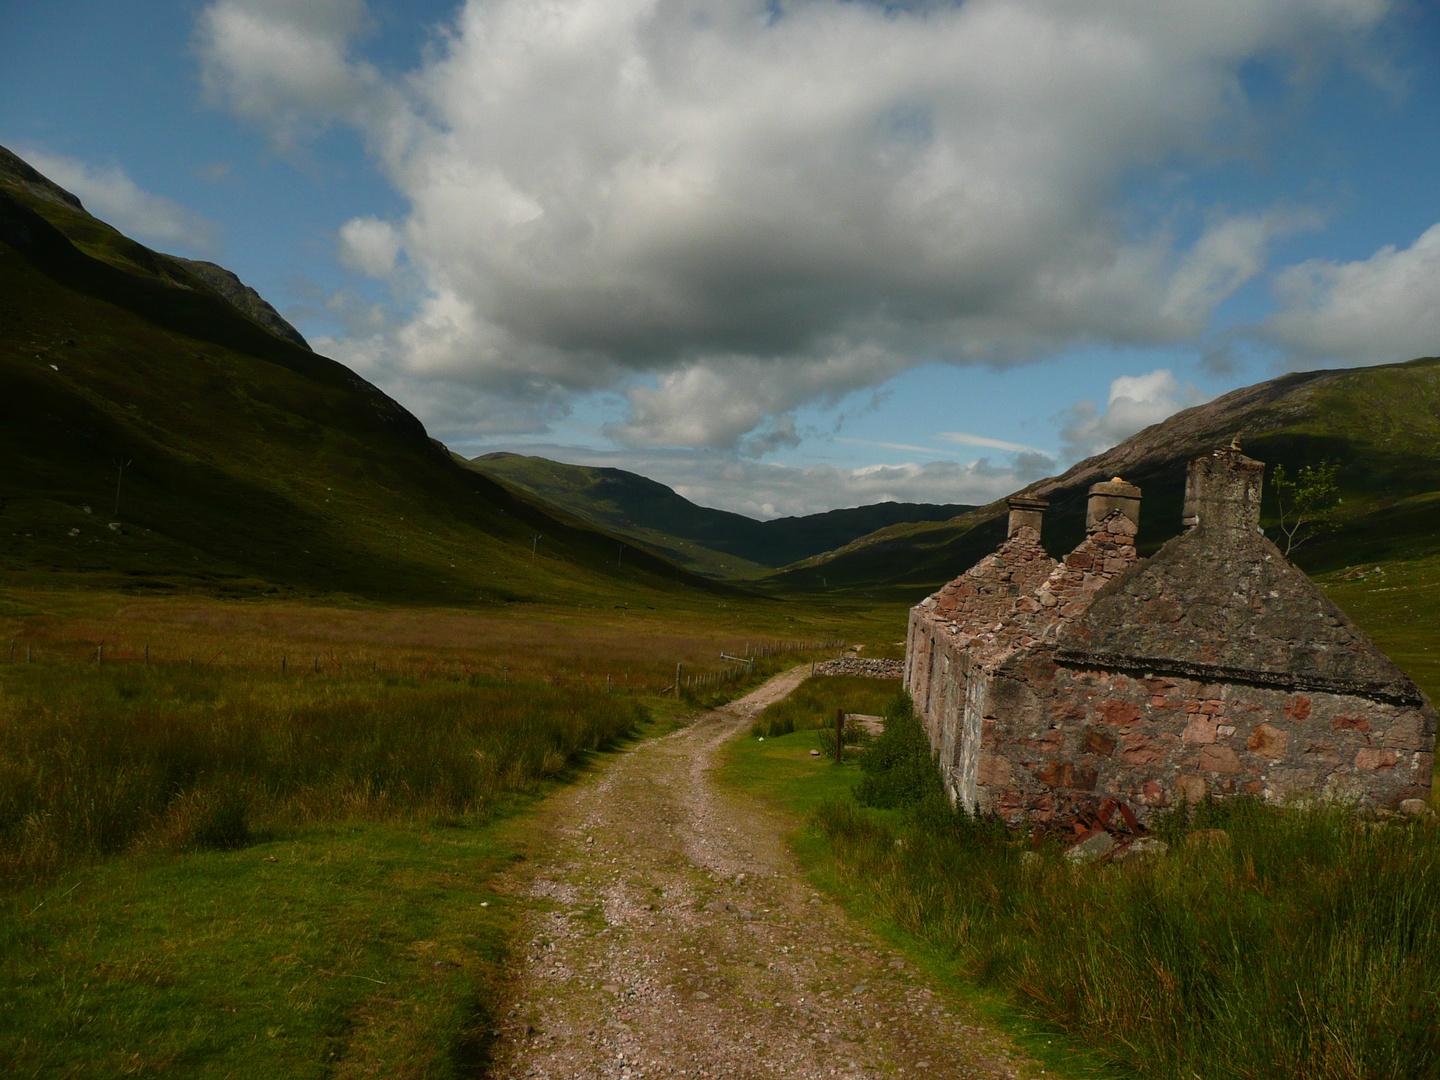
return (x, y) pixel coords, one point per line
(1212, 668)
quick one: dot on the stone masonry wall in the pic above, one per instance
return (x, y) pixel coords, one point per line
(1108, 551)
(1055, 740)
(978, 606)
(1029, 736)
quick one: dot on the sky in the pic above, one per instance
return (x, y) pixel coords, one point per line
(783, 256)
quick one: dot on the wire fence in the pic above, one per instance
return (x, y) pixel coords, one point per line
(738, 667)
(688, 675)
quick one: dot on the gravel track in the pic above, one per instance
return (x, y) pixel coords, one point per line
(674, 935)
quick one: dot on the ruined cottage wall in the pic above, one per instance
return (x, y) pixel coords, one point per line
(1056, 740)
(952, 633)
(1107, 552)
(982, 602)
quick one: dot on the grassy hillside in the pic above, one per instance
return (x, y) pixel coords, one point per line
(244, 462)
(1380, 424)
(709, 541)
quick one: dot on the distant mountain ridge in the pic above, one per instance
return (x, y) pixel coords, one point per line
(711, 541)
(1381, 425)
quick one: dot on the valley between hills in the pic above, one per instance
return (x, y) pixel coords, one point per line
(325, 752)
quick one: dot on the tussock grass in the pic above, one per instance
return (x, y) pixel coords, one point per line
(1302, 943)
(94, 761)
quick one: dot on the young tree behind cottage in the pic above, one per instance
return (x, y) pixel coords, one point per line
(1306, 502)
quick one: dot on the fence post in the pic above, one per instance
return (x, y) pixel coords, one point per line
(283, 663)
(839, 734)
(677, 680)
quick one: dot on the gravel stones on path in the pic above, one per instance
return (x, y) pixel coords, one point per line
(673, 935)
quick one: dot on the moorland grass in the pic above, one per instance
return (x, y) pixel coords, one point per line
(1300, 943)
(230, 870)
(96, 760)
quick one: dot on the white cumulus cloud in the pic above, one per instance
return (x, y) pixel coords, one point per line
(731, 209)
(1135, 402)
(111, 195)
(369, 246)
(1371, 311)
(285, 64)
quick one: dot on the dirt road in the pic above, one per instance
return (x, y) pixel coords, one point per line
(675, 935)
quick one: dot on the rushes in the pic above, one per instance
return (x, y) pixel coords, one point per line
(96, 761)
(1303, 944)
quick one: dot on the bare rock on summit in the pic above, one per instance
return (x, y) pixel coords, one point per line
(242, 296)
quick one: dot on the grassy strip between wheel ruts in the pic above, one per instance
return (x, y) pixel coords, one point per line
(1287, 943)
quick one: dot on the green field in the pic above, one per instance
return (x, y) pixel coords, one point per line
(337, 950)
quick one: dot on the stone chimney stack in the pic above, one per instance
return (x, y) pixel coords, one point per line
(1026, 512)
(1108, 497)
(1222, 491)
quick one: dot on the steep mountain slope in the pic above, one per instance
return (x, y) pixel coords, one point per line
(1380, 424)
(708, 541)
(161, 432)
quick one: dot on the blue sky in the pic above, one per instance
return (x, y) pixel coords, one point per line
(782, 257)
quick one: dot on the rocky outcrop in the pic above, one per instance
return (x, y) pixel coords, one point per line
(243, 297)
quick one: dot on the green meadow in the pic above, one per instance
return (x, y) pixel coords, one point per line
(261, 838)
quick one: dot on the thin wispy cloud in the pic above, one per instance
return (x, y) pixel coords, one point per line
(110, 194)
(905, 447)
(964, 438)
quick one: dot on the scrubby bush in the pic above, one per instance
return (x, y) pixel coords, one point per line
(898, 768)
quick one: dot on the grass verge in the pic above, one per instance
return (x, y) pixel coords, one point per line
(1266, 943)
(100, 760)
(329, 951)
(813, 704)
(781, 772)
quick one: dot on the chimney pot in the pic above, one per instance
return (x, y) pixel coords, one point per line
(1108, 497)
(1222, 491)
(1026, 511)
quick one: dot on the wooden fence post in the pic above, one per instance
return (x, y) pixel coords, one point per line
(839, 734)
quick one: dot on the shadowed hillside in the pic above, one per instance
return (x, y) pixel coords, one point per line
(165, 428)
